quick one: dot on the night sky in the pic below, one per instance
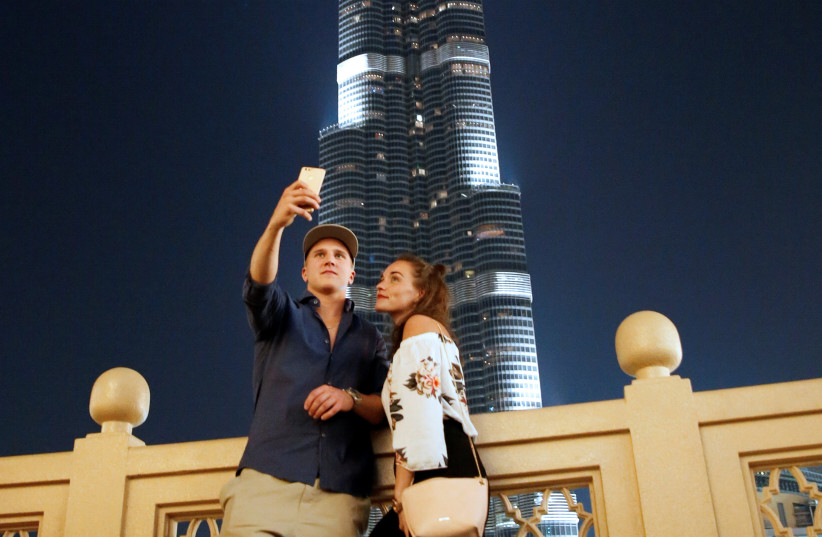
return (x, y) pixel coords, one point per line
(669, 156)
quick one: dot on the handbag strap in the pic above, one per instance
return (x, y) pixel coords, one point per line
(462, 412)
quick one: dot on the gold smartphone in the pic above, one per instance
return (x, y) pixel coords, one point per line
(313, 177)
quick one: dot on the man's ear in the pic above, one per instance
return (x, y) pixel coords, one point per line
(304, 274)
(351, 278)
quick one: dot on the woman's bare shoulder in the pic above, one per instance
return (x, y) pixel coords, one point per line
(420, 324)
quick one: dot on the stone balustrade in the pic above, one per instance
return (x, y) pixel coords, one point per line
(662, 461)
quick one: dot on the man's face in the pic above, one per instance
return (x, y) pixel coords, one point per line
(328, 267)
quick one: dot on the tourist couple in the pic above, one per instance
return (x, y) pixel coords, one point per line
(322, 380)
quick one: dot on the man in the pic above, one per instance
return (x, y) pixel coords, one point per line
(318, 368)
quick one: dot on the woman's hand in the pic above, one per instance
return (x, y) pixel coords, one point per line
(404, 524)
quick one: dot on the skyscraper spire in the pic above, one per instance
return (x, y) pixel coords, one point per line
(413, 167)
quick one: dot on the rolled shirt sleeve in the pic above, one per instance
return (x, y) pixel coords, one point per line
(265, 305)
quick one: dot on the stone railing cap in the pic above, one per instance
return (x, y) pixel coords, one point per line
(119, 400)
(648, 345)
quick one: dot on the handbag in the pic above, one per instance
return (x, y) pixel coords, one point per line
(448, 506)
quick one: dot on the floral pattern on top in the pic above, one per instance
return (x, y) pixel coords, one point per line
(424, 380)
(425, 384)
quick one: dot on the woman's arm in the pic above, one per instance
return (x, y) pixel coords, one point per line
(402, 480)
(422, 419)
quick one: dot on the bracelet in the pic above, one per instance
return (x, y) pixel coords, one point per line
(397, 505)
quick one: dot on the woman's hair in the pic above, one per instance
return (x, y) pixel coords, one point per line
(430, 279)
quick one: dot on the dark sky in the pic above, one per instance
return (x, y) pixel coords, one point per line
(669, 156)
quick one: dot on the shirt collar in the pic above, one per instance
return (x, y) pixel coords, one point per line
(313, 301)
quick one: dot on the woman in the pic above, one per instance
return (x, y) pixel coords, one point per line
(424, 394)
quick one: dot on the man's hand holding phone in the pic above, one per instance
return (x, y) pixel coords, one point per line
(299, 198)
(312, 177)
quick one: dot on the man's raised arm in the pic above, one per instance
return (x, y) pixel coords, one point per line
(297, 198)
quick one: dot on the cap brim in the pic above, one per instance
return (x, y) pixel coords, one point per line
(331, 231)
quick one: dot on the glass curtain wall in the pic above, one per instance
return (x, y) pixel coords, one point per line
(413, 167)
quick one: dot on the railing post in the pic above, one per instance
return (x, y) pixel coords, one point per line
(672, 475)
(96, 503)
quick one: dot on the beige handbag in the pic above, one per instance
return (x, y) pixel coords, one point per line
(447, 506)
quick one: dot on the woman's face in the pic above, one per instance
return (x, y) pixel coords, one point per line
(396, 294)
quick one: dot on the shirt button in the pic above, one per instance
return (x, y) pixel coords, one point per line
(322, 434)
(326, 340)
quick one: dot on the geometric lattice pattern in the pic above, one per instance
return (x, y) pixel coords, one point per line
(198, 527)
(789, 499)
(541, 513)
(558, 511)
(25, 529)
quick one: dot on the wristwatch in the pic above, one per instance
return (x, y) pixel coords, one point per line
(355, 395)
(397, 505)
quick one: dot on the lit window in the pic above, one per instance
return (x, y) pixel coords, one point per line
(350, 202)
(488, 231)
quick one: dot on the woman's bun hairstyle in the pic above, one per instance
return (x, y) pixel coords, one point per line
(440, 270)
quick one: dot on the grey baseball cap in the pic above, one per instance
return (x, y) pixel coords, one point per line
(331, 231)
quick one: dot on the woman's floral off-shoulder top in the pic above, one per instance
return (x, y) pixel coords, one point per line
(425, 384)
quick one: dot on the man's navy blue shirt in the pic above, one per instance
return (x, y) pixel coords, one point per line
(292, 356)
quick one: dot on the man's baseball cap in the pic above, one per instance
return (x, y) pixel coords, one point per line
(331, 231)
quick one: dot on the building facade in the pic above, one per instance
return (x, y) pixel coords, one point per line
(412, 166)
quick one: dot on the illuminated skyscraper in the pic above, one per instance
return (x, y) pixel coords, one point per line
(412, 166)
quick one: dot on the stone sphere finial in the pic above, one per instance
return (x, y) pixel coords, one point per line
(119, 400)
(647, 345)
